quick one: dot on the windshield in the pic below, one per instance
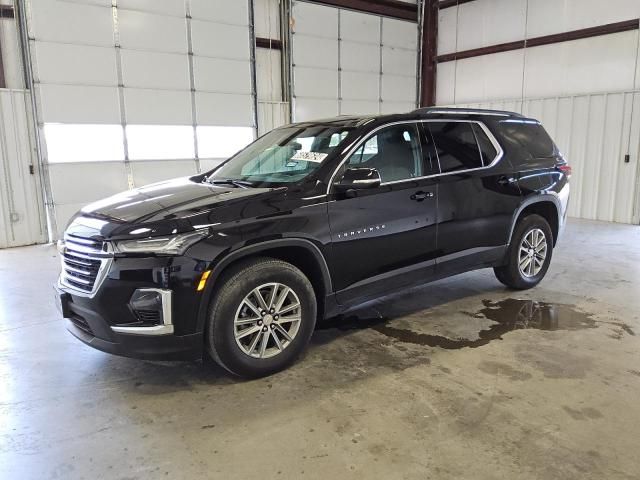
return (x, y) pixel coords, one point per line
(284, 155)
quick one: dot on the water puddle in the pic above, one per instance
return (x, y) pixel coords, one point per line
(509, 314)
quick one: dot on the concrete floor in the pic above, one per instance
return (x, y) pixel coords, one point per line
(458, 379)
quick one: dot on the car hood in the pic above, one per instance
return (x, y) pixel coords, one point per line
(164, 207)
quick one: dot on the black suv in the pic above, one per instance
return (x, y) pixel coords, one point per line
(310, 219)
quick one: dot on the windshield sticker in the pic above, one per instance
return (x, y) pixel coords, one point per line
(309, 156)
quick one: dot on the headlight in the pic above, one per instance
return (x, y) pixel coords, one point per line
(168, 245)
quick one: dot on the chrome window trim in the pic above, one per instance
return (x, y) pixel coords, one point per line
(485, 129)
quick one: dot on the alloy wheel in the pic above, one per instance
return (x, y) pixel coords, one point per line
(532, 253)
(267, 320)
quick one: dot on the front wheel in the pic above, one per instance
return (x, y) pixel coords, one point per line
(529, 254)
(261, 318)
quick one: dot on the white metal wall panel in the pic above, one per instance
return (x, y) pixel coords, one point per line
(269, 81)
(360, 57)
(220, 41)
(74, 64)
(157, 107)
(554, 16)
(79, 104)
(315, 52)
(359, 107)
(224, 109)
(344, 62)
(10, 51)
(165, 7)
(594, 132)
(148, 31)
(78, 72)
(359, 27)
(70, 22)
(490, 22)
(222, 11)
(86, 182)
(313, 108)
(399, 44)
(267, 18)
(77, 184)
(359, 86)
(155, 171)
(236, 78)
(21, 205)
(483, 23)
(318, 20)
(272, 115)
(143, 69)
(570, 67)
(398, 88)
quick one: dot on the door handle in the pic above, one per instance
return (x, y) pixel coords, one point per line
(420, 196)
(504, 180)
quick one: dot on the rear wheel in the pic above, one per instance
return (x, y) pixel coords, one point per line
(261, 317)
(529, 254)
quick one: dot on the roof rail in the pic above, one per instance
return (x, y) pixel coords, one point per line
(466, 111)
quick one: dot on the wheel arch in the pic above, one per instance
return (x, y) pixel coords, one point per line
(548, 206)
(301, 253)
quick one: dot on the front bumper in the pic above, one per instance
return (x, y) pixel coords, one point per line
(152, 343)
(107, 320)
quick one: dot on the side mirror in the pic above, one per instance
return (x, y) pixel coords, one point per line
(358, 179)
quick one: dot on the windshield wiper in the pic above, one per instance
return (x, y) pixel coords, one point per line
(229, 181)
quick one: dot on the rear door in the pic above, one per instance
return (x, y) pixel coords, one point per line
(385, 237)
(476, 195)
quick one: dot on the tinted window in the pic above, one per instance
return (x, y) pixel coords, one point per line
(531, 135)
(487, 150)
(393, 151)
(456, 146)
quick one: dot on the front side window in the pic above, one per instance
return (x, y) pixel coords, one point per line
(393, 151)
(284, 155)
(456, 146)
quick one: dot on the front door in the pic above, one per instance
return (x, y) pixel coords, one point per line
(385, 238)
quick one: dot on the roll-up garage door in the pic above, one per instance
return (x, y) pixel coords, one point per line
(136, 91)
(347, 62)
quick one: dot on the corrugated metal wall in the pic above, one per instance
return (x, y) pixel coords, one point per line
(21, 205)
(594, 132)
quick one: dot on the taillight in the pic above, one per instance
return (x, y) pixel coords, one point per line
(565, 168)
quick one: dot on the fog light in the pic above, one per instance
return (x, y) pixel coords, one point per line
(147, 306)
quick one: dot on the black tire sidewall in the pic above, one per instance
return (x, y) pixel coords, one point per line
(220, 332)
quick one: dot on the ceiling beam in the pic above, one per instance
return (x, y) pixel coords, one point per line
(386, 8)
(607, 29)
(429, 51)
(6, 11)
(270, 43)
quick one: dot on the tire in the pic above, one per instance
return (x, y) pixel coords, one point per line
(511, 274)
(231, 315)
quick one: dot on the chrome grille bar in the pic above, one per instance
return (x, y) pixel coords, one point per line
(85, 264)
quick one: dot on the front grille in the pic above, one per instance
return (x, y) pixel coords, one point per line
(84, 263)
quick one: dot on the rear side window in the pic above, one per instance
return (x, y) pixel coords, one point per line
(487, 150)
(456, 145)
(531, 135)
